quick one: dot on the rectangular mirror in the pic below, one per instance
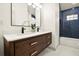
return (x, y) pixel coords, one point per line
(22, 14)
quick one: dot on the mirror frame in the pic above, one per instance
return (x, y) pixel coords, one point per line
(12, 19)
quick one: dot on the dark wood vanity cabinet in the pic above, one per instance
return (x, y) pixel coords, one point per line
(27, 46)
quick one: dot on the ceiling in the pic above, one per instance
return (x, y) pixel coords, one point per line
(64, 6)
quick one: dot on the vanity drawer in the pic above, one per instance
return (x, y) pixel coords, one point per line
(33, 42)
(34, 51)
(36, 45)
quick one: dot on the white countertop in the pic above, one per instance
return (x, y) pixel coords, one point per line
(13, 37)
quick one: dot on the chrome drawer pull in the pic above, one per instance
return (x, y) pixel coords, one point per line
(34, 53)
(33, 43)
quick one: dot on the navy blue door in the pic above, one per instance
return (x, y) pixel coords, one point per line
(70, 28)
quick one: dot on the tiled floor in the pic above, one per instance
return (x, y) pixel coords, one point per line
(69, 48)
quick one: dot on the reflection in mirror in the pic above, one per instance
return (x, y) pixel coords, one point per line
(24, 14)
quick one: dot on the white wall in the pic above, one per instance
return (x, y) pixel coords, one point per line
(50, 21)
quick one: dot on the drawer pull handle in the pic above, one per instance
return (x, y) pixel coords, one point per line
(48, 37)
(48, 43)
(33, 43)
(34, 53)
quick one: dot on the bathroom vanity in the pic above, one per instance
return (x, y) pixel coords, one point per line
(29, 44)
